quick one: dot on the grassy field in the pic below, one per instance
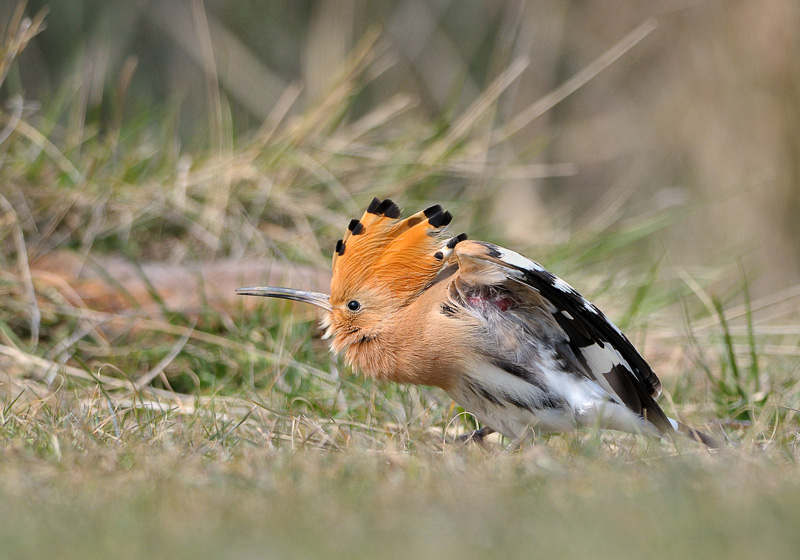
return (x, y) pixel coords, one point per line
(145, 411)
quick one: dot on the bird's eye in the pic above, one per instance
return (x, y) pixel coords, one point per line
(353, 305)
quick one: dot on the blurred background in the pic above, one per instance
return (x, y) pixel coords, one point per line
(698, 112)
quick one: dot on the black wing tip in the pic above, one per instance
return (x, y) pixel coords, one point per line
(698, 436)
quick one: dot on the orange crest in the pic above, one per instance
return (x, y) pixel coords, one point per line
(387, 254)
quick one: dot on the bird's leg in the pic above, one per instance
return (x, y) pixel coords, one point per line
(477, 436)
(514, 445)
(517, 443)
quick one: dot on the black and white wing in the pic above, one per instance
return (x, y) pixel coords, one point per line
(604, 354)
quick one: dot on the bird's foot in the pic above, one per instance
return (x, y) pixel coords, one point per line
(477, 436)
(528, 434)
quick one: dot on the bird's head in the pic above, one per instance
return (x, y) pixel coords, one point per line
(382, 264)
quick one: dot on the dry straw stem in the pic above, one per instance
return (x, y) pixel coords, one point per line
(18, 32)
(553, 98)
(24, 268)
(435, 155)
(110, 401)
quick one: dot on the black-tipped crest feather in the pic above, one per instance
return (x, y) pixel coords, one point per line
(456, 240)
(440, 219)
(387, 208)
(373, 206)
(432, 210)
(356, 227)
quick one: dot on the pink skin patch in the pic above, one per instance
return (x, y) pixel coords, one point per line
(502, 303)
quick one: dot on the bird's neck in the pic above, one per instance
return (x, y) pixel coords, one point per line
(381, 355)
(393, 353)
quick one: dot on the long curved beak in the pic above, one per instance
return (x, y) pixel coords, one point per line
(314, 298)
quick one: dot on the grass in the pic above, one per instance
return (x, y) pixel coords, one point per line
(256, 503)
(134, 421)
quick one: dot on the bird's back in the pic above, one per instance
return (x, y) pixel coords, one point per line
(524, 368)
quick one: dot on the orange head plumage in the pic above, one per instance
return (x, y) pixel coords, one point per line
(382, 263)
(387, 255)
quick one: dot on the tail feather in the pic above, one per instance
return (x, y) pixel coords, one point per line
(696, 435)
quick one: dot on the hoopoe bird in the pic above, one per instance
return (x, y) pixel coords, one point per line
(510, 342)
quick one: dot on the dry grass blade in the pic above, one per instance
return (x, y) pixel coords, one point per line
(48, 147)
(41, 370)
(314, 122)
(159, 368)
(782, 298)
(569, 87)
(17, 34)
(24, 268)
(220, 129)
(17, 105)
(486, 102)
